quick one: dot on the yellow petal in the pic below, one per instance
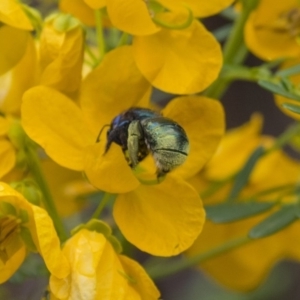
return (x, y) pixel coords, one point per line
(95, 4)
(79, 9)
(131, 16)
(48, 243)
(56, 123)
(179, 61)
(162, 219)
(142, 282)
(117, 83)
(204, 122)
(7, 157)
(12, 50)
(200, 8)
(83, 251)
(109, 172)
(12, 265)
(63, 69)
(11, 13)
(4, 126)
(18, 80)
(278, 168)
(246, 138)
(51, 41)
(112, 281)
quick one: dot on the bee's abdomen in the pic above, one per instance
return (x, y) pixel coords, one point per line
(167, 141)
(165, 134)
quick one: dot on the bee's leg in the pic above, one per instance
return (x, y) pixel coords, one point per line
(135, 134)
(125, 152)
(161, 174)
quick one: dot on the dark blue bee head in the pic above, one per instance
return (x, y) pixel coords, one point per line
(118, 132)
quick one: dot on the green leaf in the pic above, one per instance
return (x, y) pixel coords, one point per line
(230, 212)
(34, 16)
(289, 71)
(278, 88)
(292, 107)
(275, 222)
(274, 63)
(243, 176)
(99, 226)
(65, 22)
(115, 243)
(94, 225)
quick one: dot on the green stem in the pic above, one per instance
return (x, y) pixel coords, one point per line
(233, 45)
(100, 36)
(36, 171)
(123, 40)
(241, 54)
(166, 269)
(235, 39)
(102, 204)
(91, 55)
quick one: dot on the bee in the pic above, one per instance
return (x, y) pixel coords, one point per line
(141, 131)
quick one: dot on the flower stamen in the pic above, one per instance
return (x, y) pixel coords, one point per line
(286, 22)
(8, 228)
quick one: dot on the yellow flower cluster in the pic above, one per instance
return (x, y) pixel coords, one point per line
(51, 100)
(271, 180)
(68, 143)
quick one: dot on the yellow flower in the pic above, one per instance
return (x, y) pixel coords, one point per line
(68, 135)
(26, 227)
(61, 54)
(179, 61)
(273, 33)
(251, 263)
(17, 55)
(16, 25)
(184, 61)
(19, 75)
(98, 272)
(118, 91)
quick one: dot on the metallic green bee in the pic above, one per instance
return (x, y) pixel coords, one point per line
(140, 131)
